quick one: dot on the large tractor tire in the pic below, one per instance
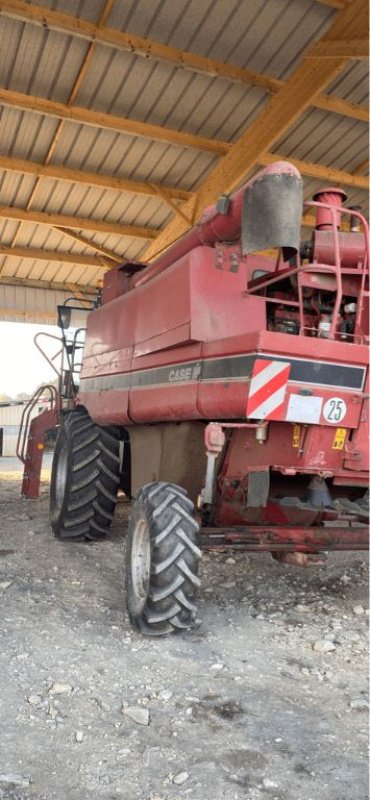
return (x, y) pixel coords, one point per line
(84, 478)
(162, 560)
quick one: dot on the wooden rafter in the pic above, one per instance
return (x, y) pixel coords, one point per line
(100, 180)
(26, 167)
(42, 284)
(81, 223)
(309, 79)
(164, 196)
(82, 72)
(342, 48)
(318, 171)
(77, 293)
(338, 106)
(35, 254)
(182, 59)
(98, 119)
(28, 316)
(105, 254)
(138, 45)
(72, 96)
(85, 116)
(106, 258)
(93, 179)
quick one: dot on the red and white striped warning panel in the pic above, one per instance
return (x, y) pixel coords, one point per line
(267, 389)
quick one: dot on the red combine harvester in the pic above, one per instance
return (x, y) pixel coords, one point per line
(226, 391)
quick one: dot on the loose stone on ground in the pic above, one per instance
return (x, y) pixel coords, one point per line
(267, 698)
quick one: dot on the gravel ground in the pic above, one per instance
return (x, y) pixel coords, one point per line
(266, 699)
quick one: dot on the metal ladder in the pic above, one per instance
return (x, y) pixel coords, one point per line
(30, 443)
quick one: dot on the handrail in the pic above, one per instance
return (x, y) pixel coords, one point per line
(356, 338)
(64, 353)
(75, 346)
(25, 418)
(48, 336)
(287, 273)
(365, 266)
(278, 275)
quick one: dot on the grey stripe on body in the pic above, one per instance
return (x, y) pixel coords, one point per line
(226, 369)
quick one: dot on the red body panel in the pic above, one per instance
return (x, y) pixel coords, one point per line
(184, 394)
(272, 350)
(198, 336)
(171, 323)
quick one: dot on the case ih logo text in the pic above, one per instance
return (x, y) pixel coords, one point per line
(182, 374)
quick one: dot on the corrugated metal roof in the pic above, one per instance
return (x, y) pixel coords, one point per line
(28, 304)
(268, 36)
(261, 35)
(330, 140)
(353, 83)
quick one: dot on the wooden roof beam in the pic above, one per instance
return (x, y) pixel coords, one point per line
(336, 105)
(42, 284)
(107, 256)
(84, 68)
(140, 46)
(48, 317)
(93, 179)
(168, 194)
(99, 180)
(64, 221)
(129, 42)
(341, 48)
(279, 114)
(318, 171)
(55, 255)
(98, 119)
(77, 294)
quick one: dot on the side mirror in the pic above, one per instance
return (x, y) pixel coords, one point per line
(64, 317)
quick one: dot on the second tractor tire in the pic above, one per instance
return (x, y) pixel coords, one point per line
(162, 560)
(84, 478)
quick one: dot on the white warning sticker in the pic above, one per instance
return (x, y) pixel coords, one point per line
(304, 408)
(335, 410)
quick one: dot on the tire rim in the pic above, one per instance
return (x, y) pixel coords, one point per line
(61, 477)
(140, 561)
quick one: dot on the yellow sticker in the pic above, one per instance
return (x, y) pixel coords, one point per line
(296, 435)
(339, 439)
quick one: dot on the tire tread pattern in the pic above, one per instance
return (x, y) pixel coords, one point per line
(90, 493)
(170, 603)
